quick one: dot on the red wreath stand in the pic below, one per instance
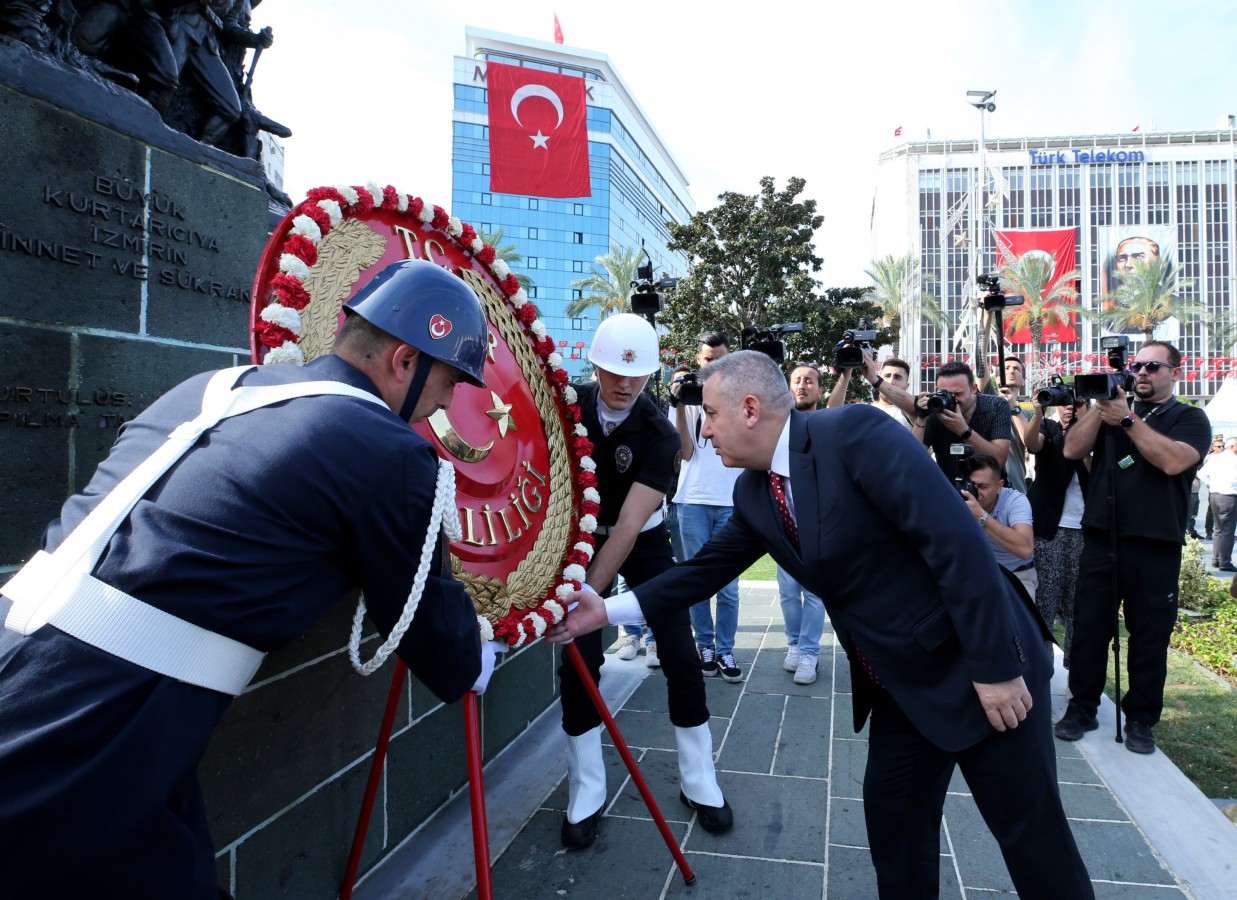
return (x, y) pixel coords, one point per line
(476, 784)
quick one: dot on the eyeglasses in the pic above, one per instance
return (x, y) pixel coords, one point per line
(1151, 367)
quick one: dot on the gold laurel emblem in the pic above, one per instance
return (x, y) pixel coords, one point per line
(346, 251)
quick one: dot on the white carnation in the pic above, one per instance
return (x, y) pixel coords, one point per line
(591, 495)
(500, 269)
(293, 265)
(538, 624)
(574, 572)
(584, 548)
(477, 245)
(349, 194)
(563, 591)
(588, 524)
(580, 430)
(554, 360)
(375, 192)
(569, 394)
(402, 203)
(287, 354)
(427, 213)
(519, 298)
(331, 208)
(487, 630)
(454, 226)
(554, 609)
(587, 464)
(282, 315)
(537, 328)
(307, 228)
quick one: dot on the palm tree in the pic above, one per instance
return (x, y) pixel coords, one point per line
(896, 280)
(609, 287)
(1146, 296)
(508, 254)
(1045, 304)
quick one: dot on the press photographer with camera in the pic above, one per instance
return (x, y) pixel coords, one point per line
(1004, 514)
(1148, 455)
(704, 504)
(890, 377)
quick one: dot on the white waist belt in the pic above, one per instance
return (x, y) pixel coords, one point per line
(57, 588)
(654, 520)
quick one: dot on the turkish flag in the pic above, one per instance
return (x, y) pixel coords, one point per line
(558, 30)
(538, 132)
(1059, 244)
(897, 132)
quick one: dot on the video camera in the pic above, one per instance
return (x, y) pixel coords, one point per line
(768, 340)
(646, 293)
(691, 390)
(1055, 393)
(993, 297)
(854, 341)
(962, 454)
(1107, 385)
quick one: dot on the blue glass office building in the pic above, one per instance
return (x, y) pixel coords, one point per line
(636, 184)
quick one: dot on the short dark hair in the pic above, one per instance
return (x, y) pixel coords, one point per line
(1018, 360)
(682, 367)
(715, 339)
(1174, 355)
(899, 363)
(984, 461)
(955, 367)
(804, 364)
(361, 338)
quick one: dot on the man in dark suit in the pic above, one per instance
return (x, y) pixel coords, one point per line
(947, 654)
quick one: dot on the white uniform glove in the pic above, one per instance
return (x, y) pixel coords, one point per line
(489, 655)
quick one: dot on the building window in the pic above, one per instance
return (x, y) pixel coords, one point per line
(576, 294)
(577, 265)
(577, 237)
(487, 199)
(532, 292)
(577, 209)
(579, 323)
(487, 227)
(532, 233)
(532, 203)
(532, 262)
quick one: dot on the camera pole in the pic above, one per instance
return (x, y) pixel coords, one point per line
(1000, 345)
(1109, 458)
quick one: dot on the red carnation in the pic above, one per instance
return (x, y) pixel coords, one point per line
(302, 248)
(319, 215)
(364, 201)
(581, 445)
(546, 347)
(527, 314)
(577, 558)
(487, 254)
(589, 508)
(390, 198)
(326, 193)
(509, 285)
(572, 414)
(559, 377)
(415, 205)
(586, 480)
(290, 291)
(467, 235)
(272, 335)
(586, 538)
(441, 218)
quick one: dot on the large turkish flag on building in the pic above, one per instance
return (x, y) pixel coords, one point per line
(538, 132)
(1059, 244)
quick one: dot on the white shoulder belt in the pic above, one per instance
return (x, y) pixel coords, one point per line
(57, 588)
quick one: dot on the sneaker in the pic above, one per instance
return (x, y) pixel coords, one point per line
(806, 672)
(1138, 737)
(730, 670)
(630, 647)
(1074, 724)
(791, 663)
(650, 655)
(708, 662)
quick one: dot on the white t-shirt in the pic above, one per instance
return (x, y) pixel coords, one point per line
(703, 479)
(894, 413)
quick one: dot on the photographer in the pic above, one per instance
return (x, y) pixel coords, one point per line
(893, 375)
(1005, 516)
(1056, 497)
(956, 413)
(1150, 453)
(1015, 386)
(704, 503)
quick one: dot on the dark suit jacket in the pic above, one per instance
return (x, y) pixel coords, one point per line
(903, 569)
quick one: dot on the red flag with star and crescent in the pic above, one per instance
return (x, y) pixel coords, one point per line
(538, 132)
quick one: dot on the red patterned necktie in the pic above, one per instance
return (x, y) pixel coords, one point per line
(777, 483)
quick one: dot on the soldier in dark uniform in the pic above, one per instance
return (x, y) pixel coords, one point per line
(634, 447)
(262, 524)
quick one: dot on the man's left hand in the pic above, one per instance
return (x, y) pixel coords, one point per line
(953, 420)
(587, 613)
(972, 504)
(1011, 398)
(1006, 702)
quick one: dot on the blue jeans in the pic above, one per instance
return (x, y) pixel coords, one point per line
(698, 523)
(804, 613)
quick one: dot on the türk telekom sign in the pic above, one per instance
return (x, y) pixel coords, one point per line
(1074, 156)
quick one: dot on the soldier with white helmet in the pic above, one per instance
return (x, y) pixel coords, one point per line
(634, 447)
(227, 519)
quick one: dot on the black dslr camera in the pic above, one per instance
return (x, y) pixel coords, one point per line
(1107, 385)
(768, 340)
(691, 390)
(854, 341)
(962, 454)
(940, 401)
(1055, 393)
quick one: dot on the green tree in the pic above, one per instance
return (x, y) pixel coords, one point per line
(743, 255)
(1044, 304)
(1146, 296)
(897, 283)
(508, 253)
(608, 288)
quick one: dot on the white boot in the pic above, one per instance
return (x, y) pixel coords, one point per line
(586, 775)
(697, 776)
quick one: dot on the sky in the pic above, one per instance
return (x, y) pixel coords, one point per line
(780, 87)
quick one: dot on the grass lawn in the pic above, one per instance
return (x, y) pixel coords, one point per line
(763, 569)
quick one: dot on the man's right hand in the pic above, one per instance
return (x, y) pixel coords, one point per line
(587, 613)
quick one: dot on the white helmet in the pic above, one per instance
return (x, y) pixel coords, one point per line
(625, 344)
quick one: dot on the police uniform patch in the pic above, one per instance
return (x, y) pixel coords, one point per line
(623, 457)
